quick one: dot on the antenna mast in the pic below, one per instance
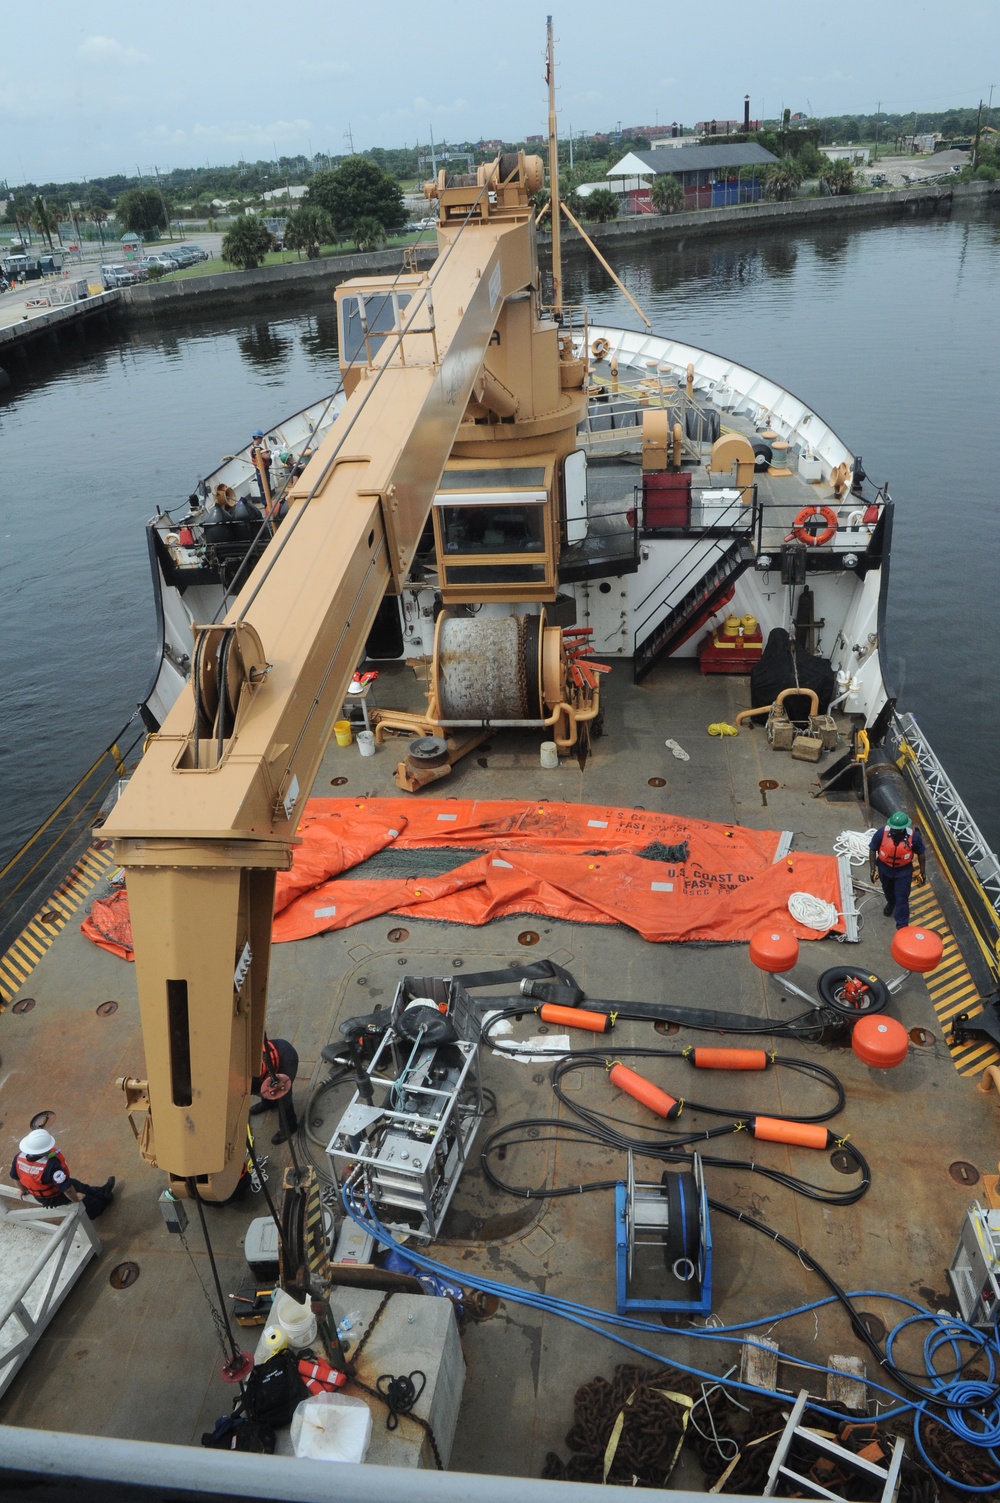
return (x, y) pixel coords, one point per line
(550, 78)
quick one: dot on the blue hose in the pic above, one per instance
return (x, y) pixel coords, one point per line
(979, 1427)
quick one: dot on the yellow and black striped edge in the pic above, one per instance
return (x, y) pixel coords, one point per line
(44, 926)
(951, 987)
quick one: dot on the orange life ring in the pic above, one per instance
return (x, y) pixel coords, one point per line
(600, 348)
(800, 530)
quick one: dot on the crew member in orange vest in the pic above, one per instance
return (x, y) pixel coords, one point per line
(40, 1169)
(892, 851)
(273, 1085)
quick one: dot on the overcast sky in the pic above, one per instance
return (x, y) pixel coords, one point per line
(87, 90)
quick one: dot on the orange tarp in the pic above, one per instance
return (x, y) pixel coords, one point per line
(579, 862)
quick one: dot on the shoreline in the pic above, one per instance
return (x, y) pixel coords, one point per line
(153, 300)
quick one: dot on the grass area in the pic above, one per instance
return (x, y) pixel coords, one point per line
(215, 265)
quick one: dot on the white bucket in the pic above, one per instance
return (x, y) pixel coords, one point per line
(550, 754)
(297, 1321)
(366, 743)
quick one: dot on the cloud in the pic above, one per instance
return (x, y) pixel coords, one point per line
(422, 109)
(323, 70)
(241, 134)
(106, 51)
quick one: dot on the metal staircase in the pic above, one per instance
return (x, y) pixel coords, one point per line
(694, 606)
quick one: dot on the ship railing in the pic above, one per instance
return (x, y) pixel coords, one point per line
(778, 520)
(610, 545)
(37, 872)
(960, 845)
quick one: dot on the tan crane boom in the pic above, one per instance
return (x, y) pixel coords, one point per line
(210, 813)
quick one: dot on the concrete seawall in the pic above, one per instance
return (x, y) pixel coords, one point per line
(171, 299)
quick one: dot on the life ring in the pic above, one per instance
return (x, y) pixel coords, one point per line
(600, 348)
(807, 513)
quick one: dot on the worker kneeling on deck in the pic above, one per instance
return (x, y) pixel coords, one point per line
(892, 851)
(40, 1170)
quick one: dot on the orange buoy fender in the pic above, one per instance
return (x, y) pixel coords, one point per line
(575, 1017)
(729, 1059)
(880, 1041)
(774, 950)
(801, 531)
(917, 949)
(802, 1134)
(645, 1091)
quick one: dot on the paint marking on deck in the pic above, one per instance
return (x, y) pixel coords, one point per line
(951, 987)
(45, 925)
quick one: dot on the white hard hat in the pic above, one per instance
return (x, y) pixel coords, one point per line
(37, 1142)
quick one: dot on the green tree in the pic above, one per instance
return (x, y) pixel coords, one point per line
(357, 190)
(141, 211)
(840, 178)
(247, 242)
(42, 219)
(783, 179)
(666, 193)
(19, 214)
(368, 233)
(602, 205)
(307, 228)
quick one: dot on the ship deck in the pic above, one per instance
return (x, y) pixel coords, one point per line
(142, 1362)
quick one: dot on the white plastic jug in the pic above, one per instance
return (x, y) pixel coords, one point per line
(366, 743)
(550, 754)
(297, 1321)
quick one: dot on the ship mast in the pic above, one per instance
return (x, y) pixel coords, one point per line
(550, 77)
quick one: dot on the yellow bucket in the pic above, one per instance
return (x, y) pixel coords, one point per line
(342, 731)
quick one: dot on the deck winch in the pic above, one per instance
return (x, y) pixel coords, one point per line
(672, 1217)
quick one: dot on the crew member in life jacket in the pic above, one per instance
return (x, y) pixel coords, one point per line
(40, 1169)
(273, 1085)
(892, 852)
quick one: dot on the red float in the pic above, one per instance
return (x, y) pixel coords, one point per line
(774, 950)
(801, 1134)
(917, 949)
(645, 1091)
(575, 1017)
(729, 1059)
(880, 1041)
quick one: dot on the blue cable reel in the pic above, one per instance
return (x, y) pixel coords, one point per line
(672, 1217)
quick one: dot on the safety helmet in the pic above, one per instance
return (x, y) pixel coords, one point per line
(258, 433)
(899, 820)
(37, 1142)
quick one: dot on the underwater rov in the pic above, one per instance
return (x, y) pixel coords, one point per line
(669, 1219)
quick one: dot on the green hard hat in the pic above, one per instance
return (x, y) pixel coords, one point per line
(899, 820)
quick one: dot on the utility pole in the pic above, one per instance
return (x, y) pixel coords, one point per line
(975, 144)
(163, 201)
(349, 137)
(434, 165)
(571, 148)
(550, 75)
(878, 111)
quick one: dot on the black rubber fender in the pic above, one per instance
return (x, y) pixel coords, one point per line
(830, 986)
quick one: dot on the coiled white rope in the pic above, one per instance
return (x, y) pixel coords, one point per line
(854, 845)
(811, 911)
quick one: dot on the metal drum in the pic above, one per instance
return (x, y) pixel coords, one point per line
(489, 669)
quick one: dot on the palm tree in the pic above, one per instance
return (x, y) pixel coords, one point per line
(783, 179)
(42, 219)
(666, 193)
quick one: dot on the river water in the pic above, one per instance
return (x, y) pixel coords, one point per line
(888, 331)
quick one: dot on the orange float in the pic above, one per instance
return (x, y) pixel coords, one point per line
(880, 1041)
(917, 949)
(645, 1091)
(801, 1134)
(774, 950)
(729, 1059)
(814, 539)
(575, 1017)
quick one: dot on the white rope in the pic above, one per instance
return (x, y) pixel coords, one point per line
(854, 845)
(811, 911)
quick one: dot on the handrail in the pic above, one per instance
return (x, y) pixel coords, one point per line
(706, 560)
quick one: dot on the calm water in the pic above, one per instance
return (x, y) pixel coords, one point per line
(888, 332)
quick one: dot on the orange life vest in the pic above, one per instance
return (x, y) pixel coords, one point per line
(30, 1171)
(320, 1377)
(271, 1058)
(896, 853)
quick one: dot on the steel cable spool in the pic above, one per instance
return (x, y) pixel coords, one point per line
(682, 1241)
(489, 670)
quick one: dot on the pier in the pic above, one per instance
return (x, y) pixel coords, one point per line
(48, 311)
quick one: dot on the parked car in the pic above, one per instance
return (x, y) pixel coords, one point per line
(166, 262)
(120, 275)
(197, 251)
(179, 257)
